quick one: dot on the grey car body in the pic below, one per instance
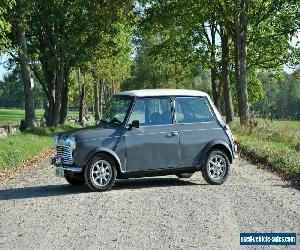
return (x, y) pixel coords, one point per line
(169, 147)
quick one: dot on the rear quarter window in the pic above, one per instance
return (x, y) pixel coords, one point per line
(192, 110)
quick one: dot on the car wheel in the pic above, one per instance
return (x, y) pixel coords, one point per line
(74, 178)
(100, 174)
(216, 168)
(184, 175)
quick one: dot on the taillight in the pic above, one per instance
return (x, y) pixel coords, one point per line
(234, 139)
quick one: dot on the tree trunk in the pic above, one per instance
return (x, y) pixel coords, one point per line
(106, 93)
(96, 95)
(55, 79)
(51, 99)
(64, 97)
(225, 77)
(213, 70)
(240, 45)
(100, 98)
(111, 92)
(30, 118)
(58, 96)
(213, 76)
(82, 108)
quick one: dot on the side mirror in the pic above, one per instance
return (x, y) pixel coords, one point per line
(135, 124)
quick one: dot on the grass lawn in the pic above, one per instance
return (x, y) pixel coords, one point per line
(14, 116)
(276, 143)
(18, 147)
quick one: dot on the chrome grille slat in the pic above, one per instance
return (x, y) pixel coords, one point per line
(65, 153)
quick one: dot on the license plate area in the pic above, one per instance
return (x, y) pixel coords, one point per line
(59, 172)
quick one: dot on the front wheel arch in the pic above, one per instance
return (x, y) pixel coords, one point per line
(110, 153)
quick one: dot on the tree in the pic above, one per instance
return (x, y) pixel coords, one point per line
(61, 38)
(5, 26)
(82, 94)
(96, 94)
(261, 32)
(250, 24)
(110, 64)
(225, 82)
(152, 69)
(241, 9)
(19, 29)
(281, 98)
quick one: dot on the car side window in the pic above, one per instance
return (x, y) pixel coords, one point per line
(152, 111)
(192, 110)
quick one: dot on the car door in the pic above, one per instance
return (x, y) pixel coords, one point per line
(197, 126)
(155, 144)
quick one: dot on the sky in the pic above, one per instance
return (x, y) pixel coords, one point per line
(3, 70)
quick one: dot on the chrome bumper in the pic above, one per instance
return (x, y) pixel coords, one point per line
(235, 155)
(57, 161)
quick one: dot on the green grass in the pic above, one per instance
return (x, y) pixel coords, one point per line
(16, 148)
(276, 143)
(14, 116)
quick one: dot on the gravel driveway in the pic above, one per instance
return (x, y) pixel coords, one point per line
(38, 210)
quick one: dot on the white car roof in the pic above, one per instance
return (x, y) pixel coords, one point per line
(163, 92)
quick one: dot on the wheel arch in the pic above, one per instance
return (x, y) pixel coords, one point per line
(110, 153)
(216, 144)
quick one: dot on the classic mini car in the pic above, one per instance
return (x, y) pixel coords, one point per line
(148, 133)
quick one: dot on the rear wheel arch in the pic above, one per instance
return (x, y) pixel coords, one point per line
(216, 145)
(223, 148)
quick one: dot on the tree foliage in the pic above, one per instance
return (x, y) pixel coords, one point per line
(102, 47)
(281, 99)
(5, 26)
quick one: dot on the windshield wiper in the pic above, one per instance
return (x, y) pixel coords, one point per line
(101, 121)
(115, 120)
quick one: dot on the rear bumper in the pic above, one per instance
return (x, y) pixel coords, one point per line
(57, 162)
(235, 155)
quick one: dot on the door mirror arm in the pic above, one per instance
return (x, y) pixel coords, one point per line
(134, 124)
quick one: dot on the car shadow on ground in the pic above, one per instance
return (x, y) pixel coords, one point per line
(289, 186)
(66, 189)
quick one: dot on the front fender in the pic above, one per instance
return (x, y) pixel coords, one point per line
(104, 150)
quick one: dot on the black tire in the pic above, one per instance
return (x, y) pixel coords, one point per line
(74, 178)
(215, 176)
(184, 175)
(100, 181)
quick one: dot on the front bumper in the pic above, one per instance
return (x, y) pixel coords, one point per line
(57, 162)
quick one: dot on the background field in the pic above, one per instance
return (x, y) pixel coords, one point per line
(14, 116)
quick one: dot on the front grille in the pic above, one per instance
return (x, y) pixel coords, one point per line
(65, 153)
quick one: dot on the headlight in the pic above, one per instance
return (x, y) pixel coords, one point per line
(67, 141)
(72, 142)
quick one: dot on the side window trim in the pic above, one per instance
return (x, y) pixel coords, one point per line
(186, 123)
(172, 105)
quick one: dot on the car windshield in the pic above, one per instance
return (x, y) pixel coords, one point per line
(117, 109)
